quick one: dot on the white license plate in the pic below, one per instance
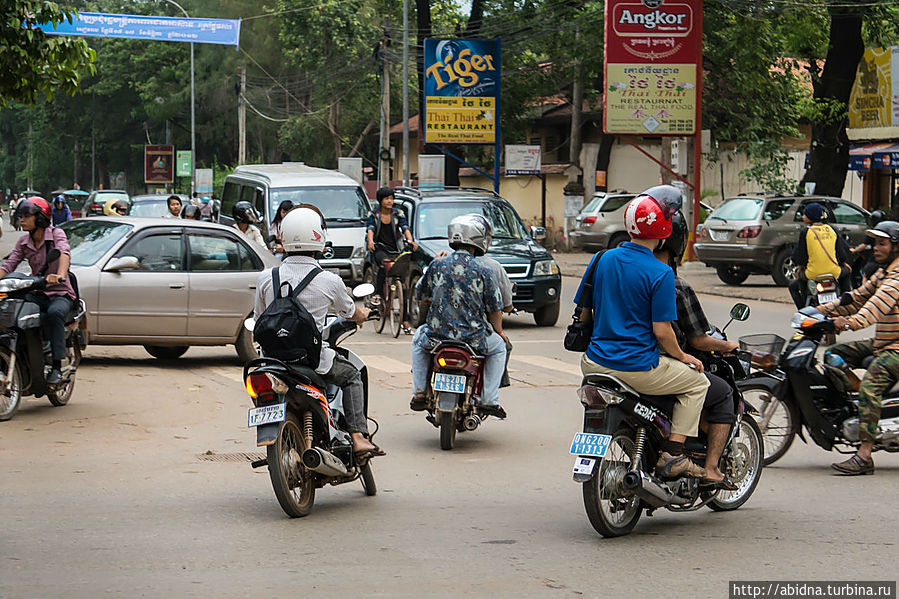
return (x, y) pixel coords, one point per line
(451, 383)
(824, 298)
(719, 235)
(266, 414)
(583, 465)
(590, 444)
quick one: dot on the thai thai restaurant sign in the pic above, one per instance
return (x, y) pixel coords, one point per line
(875, 95)
(462, 83)
(652, 49)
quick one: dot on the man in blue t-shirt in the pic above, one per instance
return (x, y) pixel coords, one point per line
(634, 304)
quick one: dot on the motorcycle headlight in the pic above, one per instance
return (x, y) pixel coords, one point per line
(546, 268)
(7, 285)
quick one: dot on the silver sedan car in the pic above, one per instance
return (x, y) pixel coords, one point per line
(166, 284)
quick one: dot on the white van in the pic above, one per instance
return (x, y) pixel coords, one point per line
(341, 200)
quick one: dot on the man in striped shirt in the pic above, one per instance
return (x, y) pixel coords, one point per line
(875, 302)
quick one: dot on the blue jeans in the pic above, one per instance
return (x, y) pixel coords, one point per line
(493, 369)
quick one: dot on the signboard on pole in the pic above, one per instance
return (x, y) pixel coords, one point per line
(203, 180)
(875, 95)
(462, 86)
(652, 49)
(522, 160)
(147, 27)
(182, 163)
(431, 171)
(351, 167)
(159, 164)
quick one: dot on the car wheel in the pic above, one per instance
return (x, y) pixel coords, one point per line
(246, 348)
(617, 239)
(782, 269)
(164, 352)
(547, 315)
(732, 274)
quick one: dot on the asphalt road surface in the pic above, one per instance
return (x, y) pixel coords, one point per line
(141, 487)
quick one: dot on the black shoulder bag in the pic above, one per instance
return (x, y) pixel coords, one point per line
(577, 337)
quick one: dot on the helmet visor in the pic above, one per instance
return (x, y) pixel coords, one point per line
(668, 209)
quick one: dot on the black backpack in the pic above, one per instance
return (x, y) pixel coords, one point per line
(285, 330)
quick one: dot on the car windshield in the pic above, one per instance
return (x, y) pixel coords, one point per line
(434, 218)
(738, 209)
(591, 206)
(90, 239)
(153, 208)
(337, 204)
(102, 198)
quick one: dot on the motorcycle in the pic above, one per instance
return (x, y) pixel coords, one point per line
(299, 419)
(822, 290)
(795, 392)
(619, 447)
(25, 359)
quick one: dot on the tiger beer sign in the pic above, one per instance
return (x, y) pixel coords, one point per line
(653, 48)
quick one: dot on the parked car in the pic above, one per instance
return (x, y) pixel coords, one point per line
(600, 224)
(341, 200)
(166, 284)
(93, 205)
(756, 234)
(153, 205)
(535, 275)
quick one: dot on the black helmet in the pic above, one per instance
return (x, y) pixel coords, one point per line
(243, 212)
(676, 243)
(888, 229)
(876, 217)
(191, 212)
(668, 197)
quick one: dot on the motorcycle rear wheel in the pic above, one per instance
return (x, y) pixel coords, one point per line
(293, 483)
(368, 480)
(12, 399)
(781, 421)
(611, 514)
(743, 466)
(447, 430)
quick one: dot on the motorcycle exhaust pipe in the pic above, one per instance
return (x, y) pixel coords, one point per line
(470, 423)
(648, 489)
(323, 462)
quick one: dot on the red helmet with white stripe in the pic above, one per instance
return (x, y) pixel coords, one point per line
(648, 216)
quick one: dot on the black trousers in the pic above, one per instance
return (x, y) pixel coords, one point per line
(53, 322)
(380, 255)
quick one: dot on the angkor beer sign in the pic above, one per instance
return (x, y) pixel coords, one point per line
(652, 51)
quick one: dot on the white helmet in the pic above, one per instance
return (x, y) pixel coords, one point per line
(471, 230)
(303, 230)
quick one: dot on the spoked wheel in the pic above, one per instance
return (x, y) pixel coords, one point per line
(368, 480)
(383, 313)
(414, 311)
(611, 512)
(778, 422)
(743, 466)
(61, 395)
(12, 397)
(447, 430)
(293, 483)
(397, 306)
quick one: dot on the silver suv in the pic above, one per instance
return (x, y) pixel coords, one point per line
(600, 223)
(755, 234)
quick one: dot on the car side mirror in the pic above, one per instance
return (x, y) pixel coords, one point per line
(739, 312)
(538, 233)
(123, 263)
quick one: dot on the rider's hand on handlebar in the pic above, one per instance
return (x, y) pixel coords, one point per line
(840, 324)
(732, 346)
(371, 246)
(692, 362)
(54, 278)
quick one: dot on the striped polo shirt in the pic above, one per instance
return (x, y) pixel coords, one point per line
(875, 302)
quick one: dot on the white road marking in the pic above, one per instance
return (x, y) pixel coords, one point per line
(388, 365)
(234, 375)
(548, 363)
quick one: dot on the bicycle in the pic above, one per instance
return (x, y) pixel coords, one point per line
(394, 293)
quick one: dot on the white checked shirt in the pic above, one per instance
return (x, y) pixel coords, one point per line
(325, 294)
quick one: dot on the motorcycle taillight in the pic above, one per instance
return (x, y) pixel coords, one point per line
(259, 384)
(452, 358)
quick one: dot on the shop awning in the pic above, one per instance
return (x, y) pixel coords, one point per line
(874, 155)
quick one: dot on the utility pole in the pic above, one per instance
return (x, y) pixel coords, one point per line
(242, 118)
(406, 92)
(384, 151)
(30, 177)
(75, 166)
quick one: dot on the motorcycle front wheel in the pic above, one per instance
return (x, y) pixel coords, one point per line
(61, 395)
(743, 466)
(12, 398)
(778, 421)
(612, 513)
(368, 480)
(293, 483)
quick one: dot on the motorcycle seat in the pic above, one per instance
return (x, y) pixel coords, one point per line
(663, 402)
(309, 374)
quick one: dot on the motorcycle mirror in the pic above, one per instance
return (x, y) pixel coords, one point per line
(53, 255)
(846, 299)
(739, 312)
(363, 290)
(249, 324)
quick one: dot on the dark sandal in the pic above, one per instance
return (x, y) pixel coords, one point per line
(854, 466)
(724, 484)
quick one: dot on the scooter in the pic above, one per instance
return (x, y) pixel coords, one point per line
(24, 361)
(620, 444)
(299, 419)
(795, 393)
